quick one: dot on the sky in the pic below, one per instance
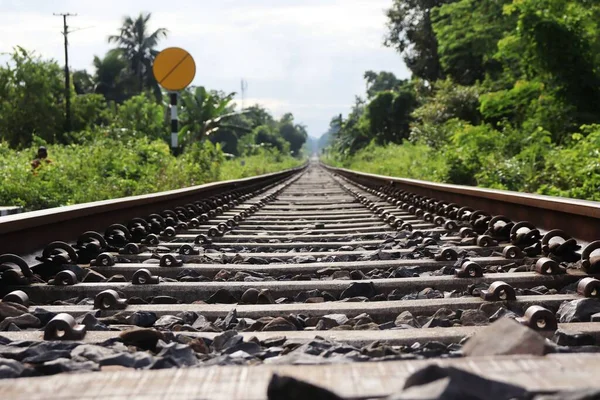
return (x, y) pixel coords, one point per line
(301, 56)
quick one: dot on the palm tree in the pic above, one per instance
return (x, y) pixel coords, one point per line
(112, 77)
(138, 46)
(205, 112)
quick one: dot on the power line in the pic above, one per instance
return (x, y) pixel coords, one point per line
(65, 33)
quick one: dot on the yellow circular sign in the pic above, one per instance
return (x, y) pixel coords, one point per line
(174, 68)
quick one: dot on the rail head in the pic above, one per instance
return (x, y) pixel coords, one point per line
(581, 218)
(27, 232)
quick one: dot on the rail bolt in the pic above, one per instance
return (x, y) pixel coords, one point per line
(464, 213)
(231, 223)
(169, 260)
(17, 296)
(203, 218)
(64, 327)
(589, 287)
(406, 227)
(169, 232)
(8, 262)
(452, 210)
(416, 235)
(563, 246)
(512, 252)
(105, 260)
(547, 266)
(91, 241)
(419, 213)
(64, 278)
(439, 220)
(117, 235)
(469, 269)
(212, 214)
(219, 210)
(501, 226)
(428, 242)
(60, 253)
(194, 223)
(188, 250)
(243, 214)
(144, 277)
(466, 232)
(151, 239)
(451, 225)
(447, 255)
(222, 227)
(589, 263)
(131, 248)
(411, 209)
(202, 239)
(499, 291)
(109, 300)
(486, 241)
(524, 234)
(428, 217)
(213, 232)
(539, 318)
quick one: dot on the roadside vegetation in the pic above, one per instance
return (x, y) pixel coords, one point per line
(503, 94)
(117, 142)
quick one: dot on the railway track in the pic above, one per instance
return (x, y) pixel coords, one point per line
(315, 266)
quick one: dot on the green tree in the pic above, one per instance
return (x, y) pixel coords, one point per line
(294, 134)
(88, 111)
(204, 113)
(139, 48)
(410, 32)
(140, 117)
(264, 135)
(467, 33)
(83, 82)
(31, 99)
(558, 38)
(112, 78)
(382, 81)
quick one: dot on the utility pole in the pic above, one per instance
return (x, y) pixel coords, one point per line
(65, 33)
(244, 88)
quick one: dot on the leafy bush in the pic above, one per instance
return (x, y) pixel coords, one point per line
(106, 168)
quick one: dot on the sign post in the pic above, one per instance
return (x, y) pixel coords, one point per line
(174, 69)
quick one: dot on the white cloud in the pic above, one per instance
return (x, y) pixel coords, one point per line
(303, 56)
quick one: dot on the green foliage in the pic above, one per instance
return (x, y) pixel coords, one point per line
(410, 32)
(381, 82)
(266, 136)
(140, 116)
(408, 160)
(467, 32)
(514, 104)
(294, 134)
(89, 110)
(106, 168)
(112, 77)
(31, 99)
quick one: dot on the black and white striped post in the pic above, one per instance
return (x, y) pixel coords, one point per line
(174, 121)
